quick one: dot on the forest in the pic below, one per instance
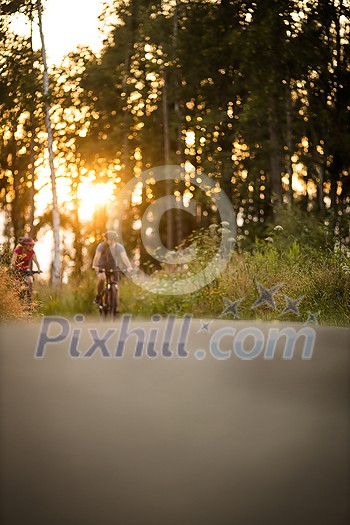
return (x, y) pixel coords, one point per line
(254, 95)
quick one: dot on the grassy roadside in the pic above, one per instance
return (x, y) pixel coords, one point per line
(318, 276)
(322, 282)
(321, 279)
(11, 308)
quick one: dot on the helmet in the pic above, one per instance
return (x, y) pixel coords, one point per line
(111, 235)
(26, 241)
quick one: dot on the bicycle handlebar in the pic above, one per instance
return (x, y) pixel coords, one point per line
(101, 270)
(28, 271)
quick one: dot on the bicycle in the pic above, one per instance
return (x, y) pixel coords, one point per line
(110, 296)
(26, 292)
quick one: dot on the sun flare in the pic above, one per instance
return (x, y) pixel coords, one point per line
(91, 195)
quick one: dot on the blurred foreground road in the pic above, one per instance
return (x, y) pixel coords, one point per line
(128, 441)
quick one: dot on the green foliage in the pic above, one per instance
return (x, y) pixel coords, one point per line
(71, 298)
(295, 225)
(323, 279)
(320, 277)
(263, 87)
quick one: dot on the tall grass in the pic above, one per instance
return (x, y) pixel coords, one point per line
(320, 276)
(11, 307)
(297, 254)
(71, 298)
(322, 279)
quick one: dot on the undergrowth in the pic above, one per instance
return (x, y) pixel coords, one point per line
(11, 306)
(320, 278)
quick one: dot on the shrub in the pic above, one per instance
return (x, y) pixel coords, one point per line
(70, 298)
(320, 276)
(11, 307)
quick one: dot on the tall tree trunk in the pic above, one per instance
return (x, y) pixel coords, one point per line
(339, 106)
(32, 175)
(32, 140)
(56, 267)
(76, 226)
(289, 146)
(334, 177)
(179, 234)
(320, 173)
(179, 150)
(275, 154)
(17, 216)
(319, 164)
(169, 182)
(127, 118)
(78, 245)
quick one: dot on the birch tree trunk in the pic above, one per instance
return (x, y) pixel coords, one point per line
(56, 266)
(32, 139)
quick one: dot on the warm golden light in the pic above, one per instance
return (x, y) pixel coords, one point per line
(92, 195)
(137, 194)
(190, 138)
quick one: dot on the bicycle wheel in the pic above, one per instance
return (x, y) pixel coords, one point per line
(26, 294)
(114, 301)
(28, 298)
(103, 306)
(109, 303)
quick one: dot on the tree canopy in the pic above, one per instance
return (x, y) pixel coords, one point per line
(253, 94)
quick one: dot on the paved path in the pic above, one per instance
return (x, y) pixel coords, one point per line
(191, 441)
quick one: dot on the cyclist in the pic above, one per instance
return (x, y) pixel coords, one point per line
(109, 253)
(22, 258)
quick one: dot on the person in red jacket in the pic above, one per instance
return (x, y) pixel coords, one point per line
(22, 258)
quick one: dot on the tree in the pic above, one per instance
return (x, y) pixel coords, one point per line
(20, 103)
(56, 266)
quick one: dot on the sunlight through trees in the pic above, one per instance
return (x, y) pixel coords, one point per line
(255, 95)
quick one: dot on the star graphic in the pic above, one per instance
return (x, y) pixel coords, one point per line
(312, 317)
(205, 326)
(266, 295)
(292, 305)
(231, 307)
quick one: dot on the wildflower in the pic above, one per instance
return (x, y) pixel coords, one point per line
(269, 239)
(278, 228)
(224, 231)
